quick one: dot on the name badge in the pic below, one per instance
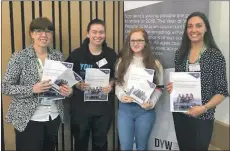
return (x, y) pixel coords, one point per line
(46, 101)
(102, 62)
(194, 67)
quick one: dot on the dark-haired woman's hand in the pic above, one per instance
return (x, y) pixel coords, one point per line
(196, 111)
(169, 87)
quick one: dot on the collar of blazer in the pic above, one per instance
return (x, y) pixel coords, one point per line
(51, 53)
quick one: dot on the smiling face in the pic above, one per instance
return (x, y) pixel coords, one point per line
(41, 38)
(196, 29)
(96, 34)
(137, 42)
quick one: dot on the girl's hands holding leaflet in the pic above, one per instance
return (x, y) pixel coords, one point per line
(169, 87)
(126, 99)
(82, 86)
(107, 89)
(147, 105)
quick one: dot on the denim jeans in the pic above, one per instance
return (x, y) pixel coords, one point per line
(134, 121)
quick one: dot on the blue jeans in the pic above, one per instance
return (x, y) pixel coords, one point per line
(134, 121)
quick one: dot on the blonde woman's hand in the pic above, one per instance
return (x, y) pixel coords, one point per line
(169, 87)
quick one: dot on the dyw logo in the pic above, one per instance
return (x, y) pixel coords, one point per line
(163, 144)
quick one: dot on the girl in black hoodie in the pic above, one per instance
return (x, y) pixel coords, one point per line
(92, 116)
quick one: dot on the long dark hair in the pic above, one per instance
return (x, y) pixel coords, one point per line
(208, 38)
(126, 56)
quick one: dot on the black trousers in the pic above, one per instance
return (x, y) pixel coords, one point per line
(192, 134)
(38, 136)
(83, 125)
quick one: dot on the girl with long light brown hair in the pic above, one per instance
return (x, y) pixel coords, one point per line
(136, 120)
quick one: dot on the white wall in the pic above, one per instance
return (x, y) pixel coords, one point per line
(128, 5)
(219, 20)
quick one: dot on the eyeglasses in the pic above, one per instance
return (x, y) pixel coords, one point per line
(139, 41)
(40, 31)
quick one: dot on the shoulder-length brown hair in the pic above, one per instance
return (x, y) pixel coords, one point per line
(126, 56)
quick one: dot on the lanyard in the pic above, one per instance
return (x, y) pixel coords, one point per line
(198, 60)
(40, 67)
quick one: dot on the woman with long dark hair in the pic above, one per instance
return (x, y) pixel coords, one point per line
(199, 53)
(136, 120)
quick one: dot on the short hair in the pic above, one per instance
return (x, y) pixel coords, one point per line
(95, 21)
(41, 23)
